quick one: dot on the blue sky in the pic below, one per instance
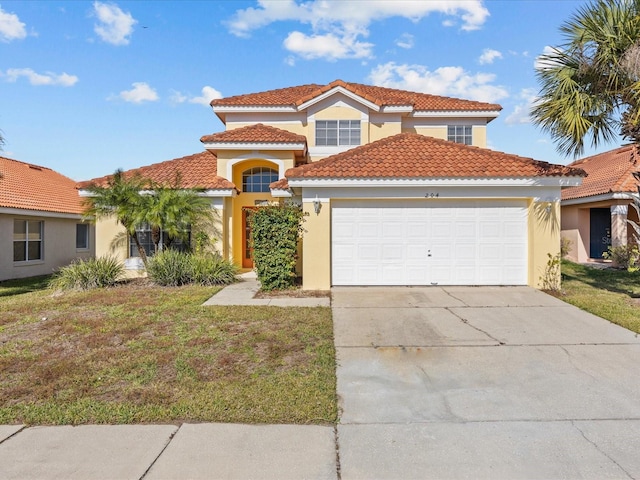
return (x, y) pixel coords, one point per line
(87, 87)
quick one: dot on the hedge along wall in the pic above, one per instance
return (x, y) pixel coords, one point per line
(275, 231)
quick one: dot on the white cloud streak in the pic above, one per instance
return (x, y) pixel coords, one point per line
(521, 112)
(208, 94)
(115, 26)
(406, 41)
(449, 81)
(11, 28)
(489, 56)
(342, 25)
(39, 79)
(141, 92)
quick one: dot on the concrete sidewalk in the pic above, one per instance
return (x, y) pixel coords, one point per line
(154, 452)
(243, 292)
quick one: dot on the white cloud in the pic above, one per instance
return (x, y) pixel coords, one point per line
(406, 40)
(452, 81)
(520, 114)
(47, 78)
(489, 56)
(208, 94)
(115, 26)
(141, 92)
(342, 24)
(329, 46)
(540, 62)
(11, 28)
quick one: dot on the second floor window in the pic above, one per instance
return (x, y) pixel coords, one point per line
(337, 132)
(257, 180)
(460, 134)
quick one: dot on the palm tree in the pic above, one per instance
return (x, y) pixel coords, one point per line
(173, 210)
(590, 85)
(120, 198)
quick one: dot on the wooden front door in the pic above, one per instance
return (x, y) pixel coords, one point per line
(247, 251)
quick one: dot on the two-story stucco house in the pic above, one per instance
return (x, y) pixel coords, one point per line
(41, 224)
(398, 186)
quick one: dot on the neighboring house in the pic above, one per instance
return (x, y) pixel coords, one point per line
(594, 214)
(41, 226)
(398, 186)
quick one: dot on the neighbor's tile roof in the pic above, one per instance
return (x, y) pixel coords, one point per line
(608, 172)
(410, 155)
(32, 187)
(257, 133)
(381, 96)
(195, 171)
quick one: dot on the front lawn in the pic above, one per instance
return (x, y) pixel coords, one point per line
(138, 353)
(611, 294)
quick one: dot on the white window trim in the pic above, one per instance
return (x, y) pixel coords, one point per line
(13, 240)
(88, 239)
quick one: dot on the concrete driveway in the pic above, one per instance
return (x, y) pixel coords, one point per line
(483, 382)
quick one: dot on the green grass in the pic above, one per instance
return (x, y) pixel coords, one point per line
(610, 294)
(138, 353)
(9, 288)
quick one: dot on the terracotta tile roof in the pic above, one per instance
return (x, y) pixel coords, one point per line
(32, 187)
(410, 155)
(282, 184)
(608, 172)
(196, 171)
(381, 96)
(257, 133)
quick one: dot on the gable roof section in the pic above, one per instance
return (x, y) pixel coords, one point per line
(257, 133)
(410, 155)
(381, 96)
(608, 172)
(32, 187)
(195, 171)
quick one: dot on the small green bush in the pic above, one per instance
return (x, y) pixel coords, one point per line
(275, 231)
(86, 274)
(624, 256)
(172, 268)
(212, 270)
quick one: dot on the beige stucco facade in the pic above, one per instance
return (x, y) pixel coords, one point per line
(58, 244)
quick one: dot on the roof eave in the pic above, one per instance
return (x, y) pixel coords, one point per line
(602, 197)
(298, 147)
(546, 181)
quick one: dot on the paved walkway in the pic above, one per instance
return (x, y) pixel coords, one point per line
(243, 292)
(454, 382)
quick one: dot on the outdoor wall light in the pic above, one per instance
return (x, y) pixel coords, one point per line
(317, 205)
(548, 207)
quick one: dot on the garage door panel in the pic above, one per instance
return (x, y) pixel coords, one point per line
(389, 242)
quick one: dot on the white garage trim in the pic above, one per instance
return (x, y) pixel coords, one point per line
(439, 242)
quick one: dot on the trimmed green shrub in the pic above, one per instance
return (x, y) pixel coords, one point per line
(275, 231)
(212, 270)
(173, 268)
(624, 256)
(170, 268)
(85, 274)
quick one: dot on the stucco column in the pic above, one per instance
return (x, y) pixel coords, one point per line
(316, 246)
(619, 225)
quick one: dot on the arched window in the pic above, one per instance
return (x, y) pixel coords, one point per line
(257, 179)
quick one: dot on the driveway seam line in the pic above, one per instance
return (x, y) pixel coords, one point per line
(23, 428)
(337, 442)
(523, 420)
(597, 447)
(466, 322)
(161, 452)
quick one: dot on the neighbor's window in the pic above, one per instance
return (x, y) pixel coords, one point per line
(27, 240)
(82, 236)
(337, 132)
(146, 240)
(257, 180)
(460, 134)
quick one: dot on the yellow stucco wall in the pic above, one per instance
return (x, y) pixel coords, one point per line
(575, 228)
(111, 239)
(544, 238)
(242, 156)
(380, 130)
(316, 247)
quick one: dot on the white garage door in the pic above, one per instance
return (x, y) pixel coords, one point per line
(432, 242)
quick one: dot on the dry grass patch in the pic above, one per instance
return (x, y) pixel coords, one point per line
(141, 353)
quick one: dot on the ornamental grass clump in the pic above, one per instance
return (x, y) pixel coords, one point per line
(172, 268)
(86, 274)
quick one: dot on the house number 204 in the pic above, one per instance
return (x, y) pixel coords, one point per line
(432, 195)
